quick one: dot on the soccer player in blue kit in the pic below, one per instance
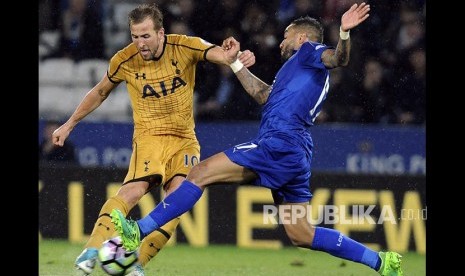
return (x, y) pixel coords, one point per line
(279, 158)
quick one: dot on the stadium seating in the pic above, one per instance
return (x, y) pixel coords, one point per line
(56, 71)
(89, 71)
(63, 83)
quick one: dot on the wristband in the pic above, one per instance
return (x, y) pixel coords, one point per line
(236, 65)
(343, 35)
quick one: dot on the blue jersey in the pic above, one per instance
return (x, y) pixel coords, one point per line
(299, 89)
(281, 154)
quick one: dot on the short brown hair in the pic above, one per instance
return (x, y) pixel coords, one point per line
(143, 11)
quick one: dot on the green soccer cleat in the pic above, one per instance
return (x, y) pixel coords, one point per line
(390, 264)
(128, 230)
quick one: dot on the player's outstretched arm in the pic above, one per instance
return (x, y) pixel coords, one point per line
(256, 88)
(354, 16)
(89, 103)
(220, 55)
(247, 58)
(350, 19)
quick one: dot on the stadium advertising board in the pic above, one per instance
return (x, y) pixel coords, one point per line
(384, 212)
(338, 148)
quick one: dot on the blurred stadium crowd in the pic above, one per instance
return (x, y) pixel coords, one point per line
(384, 83)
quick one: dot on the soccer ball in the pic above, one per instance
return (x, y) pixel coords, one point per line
(114, 259)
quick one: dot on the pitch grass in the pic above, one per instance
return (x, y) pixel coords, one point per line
(56, 257)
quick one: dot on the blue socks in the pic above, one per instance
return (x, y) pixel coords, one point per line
(336, 244)
(174, 205)
(325, 239)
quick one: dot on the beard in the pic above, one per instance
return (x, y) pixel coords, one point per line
(146, 56)
(286, 54)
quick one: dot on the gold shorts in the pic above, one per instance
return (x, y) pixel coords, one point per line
(157, 159)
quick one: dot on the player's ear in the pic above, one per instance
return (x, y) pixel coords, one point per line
(303, 37)
(161, 32)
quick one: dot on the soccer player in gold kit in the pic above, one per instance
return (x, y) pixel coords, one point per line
(159, 71)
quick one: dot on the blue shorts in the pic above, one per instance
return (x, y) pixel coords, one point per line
(282, 165)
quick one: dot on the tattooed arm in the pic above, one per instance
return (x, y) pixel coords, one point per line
(350, 19)
(254, 86)
(333, 58)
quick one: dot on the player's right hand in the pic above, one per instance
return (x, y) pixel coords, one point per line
(231, 47)
(59, 135)
(229, 43)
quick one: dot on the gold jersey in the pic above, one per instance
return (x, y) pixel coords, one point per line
(161, 90)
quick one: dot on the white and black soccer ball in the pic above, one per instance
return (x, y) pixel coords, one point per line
(114, 259)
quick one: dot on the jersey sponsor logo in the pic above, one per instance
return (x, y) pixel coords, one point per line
(149, 91)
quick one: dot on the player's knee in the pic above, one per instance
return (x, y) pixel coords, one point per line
(300, 242)
(197, 175)
(131, 194)
(300, 237)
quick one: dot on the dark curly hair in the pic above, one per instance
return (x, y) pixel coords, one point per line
(310, 26)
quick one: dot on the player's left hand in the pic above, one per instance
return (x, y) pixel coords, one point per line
(354, 16)
(247, 58)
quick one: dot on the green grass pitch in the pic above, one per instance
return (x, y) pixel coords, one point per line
(56, 258)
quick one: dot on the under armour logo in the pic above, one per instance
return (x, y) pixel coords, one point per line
(156, 248)
(146, 163)
(101, 224)
(138, 75)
